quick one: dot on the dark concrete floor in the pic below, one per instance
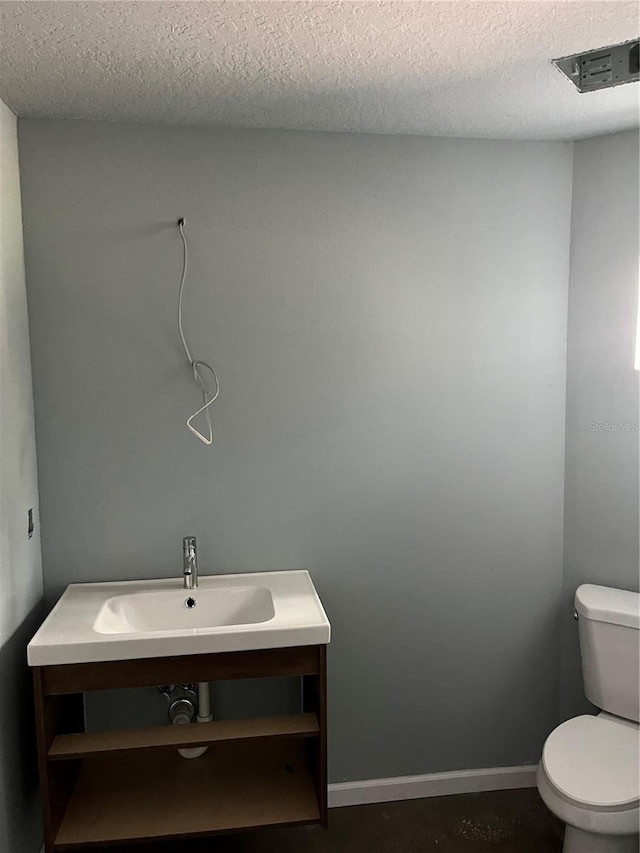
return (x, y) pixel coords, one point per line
(499, 821)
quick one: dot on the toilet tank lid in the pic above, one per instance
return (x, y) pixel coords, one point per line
(605, 604)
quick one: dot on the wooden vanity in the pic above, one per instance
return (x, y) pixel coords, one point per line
(131, 785)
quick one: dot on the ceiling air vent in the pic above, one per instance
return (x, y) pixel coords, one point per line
(603, 68)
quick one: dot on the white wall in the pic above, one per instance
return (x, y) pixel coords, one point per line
(20, 563)
(601, 491)
(388, 317)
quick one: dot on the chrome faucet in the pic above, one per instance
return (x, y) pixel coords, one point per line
(190, 562)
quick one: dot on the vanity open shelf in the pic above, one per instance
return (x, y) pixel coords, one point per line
(86, 744)
(110, 787)
(155, 795)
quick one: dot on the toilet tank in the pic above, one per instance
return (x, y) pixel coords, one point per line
(609, 628)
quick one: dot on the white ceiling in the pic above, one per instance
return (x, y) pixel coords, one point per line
(447, 68)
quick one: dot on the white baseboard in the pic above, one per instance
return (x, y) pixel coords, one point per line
(431, 785)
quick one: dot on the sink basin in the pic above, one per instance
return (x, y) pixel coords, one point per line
(170, 610)
(126, 620)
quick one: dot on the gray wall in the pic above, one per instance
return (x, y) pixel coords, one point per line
(601, 493)
(20, 562)
(388, 319)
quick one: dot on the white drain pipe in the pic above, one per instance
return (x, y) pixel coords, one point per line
(204, 703)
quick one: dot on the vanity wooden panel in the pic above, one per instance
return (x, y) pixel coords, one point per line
(55, 715)
(183, 669)
(131, 785)
(314, 700)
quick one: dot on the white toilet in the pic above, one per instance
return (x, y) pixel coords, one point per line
(589, 775)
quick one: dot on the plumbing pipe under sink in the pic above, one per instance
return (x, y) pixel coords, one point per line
(183, 717)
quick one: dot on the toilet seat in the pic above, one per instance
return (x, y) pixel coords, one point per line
(593, 762)
(599, 821)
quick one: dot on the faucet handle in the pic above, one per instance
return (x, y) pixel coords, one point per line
(189, 544)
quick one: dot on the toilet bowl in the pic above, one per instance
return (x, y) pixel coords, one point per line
(589, 775)
(589, 778)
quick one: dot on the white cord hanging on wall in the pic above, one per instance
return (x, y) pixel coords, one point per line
(209, 394)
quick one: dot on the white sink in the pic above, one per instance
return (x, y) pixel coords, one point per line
(158, 618)
(172, 609)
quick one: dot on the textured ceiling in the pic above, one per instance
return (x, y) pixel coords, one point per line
(408, 66)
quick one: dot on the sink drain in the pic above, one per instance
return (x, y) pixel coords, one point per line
(190, 603)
